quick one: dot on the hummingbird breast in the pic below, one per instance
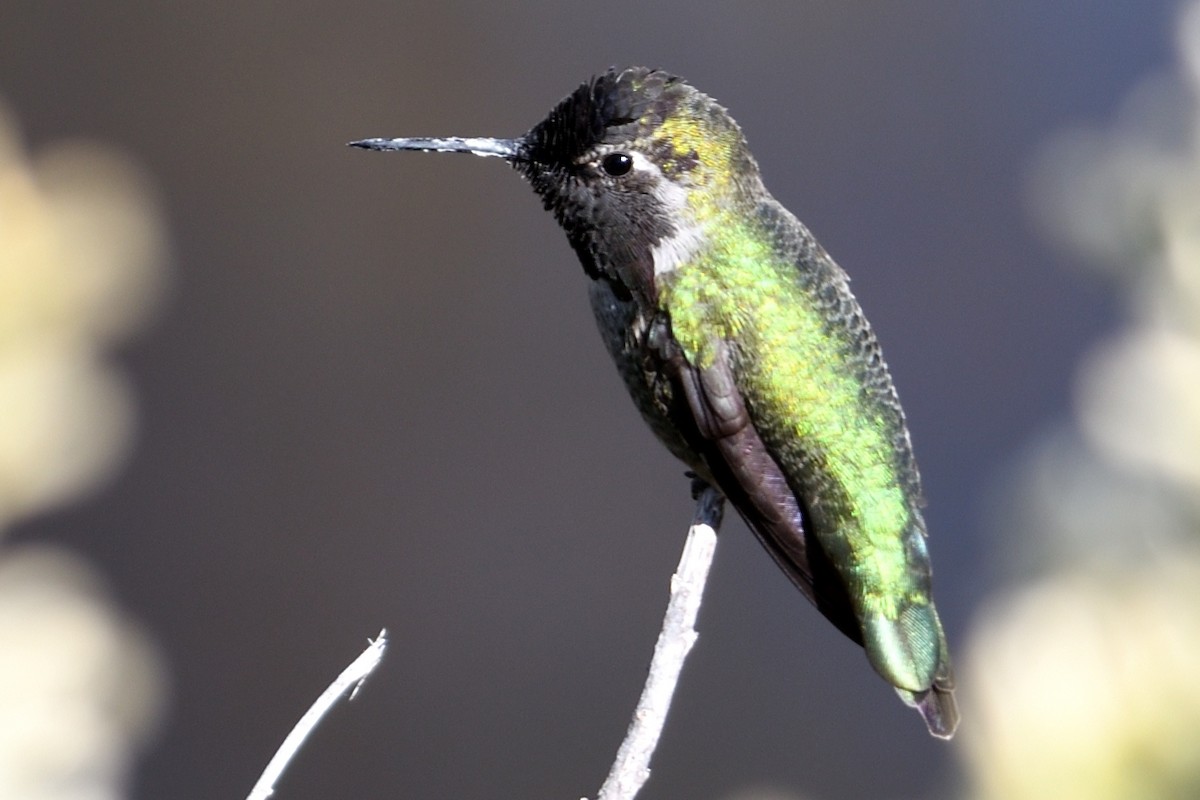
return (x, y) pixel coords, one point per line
(750, 477)
(624, 326)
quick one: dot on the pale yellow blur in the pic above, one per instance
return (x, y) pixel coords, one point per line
(81, 265)
(79, 685)
(1083, 683)
(81, 257)
(1084, 686)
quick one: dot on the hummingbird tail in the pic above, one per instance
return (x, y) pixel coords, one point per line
(936, 705)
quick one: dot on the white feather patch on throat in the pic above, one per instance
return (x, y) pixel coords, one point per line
(677, 249)
(688, 237)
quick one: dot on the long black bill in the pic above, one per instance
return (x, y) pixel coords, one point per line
(509, 149)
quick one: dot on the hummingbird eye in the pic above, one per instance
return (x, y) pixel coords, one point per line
(617, 164)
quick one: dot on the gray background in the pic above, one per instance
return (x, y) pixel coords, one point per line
(375, 396)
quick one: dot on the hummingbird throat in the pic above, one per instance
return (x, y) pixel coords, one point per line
(689, 235)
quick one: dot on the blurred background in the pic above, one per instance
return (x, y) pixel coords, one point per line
(261, 395)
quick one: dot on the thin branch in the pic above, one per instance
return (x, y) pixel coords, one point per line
(351, 680)
(632, 766)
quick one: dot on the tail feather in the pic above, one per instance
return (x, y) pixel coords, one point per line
(936, 705)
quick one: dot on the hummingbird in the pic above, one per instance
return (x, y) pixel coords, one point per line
(744, 350)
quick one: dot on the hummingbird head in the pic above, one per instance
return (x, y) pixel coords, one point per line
(633, 164)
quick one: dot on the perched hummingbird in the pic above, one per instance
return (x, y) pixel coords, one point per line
(743, 348)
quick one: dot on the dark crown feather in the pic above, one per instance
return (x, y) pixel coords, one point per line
(583, 119)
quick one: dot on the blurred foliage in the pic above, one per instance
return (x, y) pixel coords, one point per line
(81, 263)
(1081, 684)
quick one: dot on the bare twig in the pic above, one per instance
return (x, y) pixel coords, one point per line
(632, 766)
(351, 680)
